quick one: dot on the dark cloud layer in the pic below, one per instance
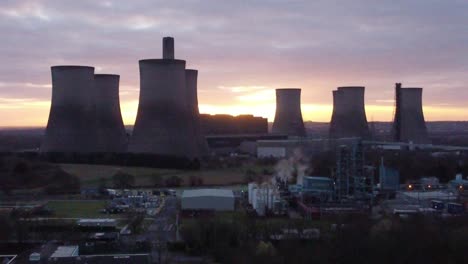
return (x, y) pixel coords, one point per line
(316, 45)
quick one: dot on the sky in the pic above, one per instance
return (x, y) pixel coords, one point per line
(243, 51)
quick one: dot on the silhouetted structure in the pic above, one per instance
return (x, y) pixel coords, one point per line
(233, 125)
(191, 77)
(71, 127)
(112, 136)
(288, 116)
(349, 115)
(409, 124)
(164, 123)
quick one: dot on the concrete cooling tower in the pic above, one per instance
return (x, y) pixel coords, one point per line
(164, 122)
(72, 120)
(112, 137)
(349, 115)
(288, 116)
(409, 124)
(191, 77)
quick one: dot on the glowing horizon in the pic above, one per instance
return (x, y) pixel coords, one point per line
(310, 112)
(239, 53)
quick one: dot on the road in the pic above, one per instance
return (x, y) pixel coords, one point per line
(163, 228)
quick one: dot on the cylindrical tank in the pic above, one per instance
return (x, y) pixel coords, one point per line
(163, 120)
(191, 77)
(288, 115)
(112, 137)
(349, 114)
(409, 117)
(72, 120)
(254, 197)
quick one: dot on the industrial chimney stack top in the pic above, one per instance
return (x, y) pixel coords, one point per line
(168, 48)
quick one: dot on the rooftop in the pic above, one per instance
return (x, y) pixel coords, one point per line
(65, 251)
(208, 192)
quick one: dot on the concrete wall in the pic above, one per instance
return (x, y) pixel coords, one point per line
(112, 136)
(288, 115)
(72, 121)
(411, 117)
(349, 115)
(208, 203)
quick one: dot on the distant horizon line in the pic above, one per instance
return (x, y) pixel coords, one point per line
(308, 121)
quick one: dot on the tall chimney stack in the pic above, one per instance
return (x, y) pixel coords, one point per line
(168, 48)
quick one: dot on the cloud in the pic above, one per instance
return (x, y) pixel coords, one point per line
(239, 48)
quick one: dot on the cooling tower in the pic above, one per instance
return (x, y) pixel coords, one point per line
(349, 115)
(164, 122)
(409, 124)
(191, 77)
(72, 121)
(288, 116)
(112, 137)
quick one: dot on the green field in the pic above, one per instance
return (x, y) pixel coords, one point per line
(78, 209)
(90, 174)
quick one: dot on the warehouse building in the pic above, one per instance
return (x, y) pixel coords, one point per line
(208, 200)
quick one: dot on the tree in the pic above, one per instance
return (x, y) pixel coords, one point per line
(123, 180)
(173, 181)
(102, 185)
(195, 180)
(5, 227)
(157, 180)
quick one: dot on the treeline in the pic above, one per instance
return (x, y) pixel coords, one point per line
(392, 240)
(118, 159)
(19, 173)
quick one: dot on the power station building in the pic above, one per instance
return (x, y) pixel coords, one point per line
(233, 125)
(409, 124)
(166, 118)
(72, 123)
(111, 133)
(288, 115)
(349, 114)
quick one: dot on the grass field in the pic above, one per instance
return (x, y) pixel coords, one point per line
(90, 174)
(78, 209)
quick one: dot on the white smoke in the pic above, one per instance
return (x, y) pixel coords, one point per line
(293, 167)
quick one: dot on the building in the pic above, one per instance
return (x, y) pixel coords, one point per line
(65, 251)
(233, 125)
(226, 144)
(285, 147)
(208, 200)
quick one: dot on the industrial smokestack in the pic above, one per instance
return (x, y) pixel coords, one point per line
(409, 124)
(191, 77)
(112, 137)
(163, 123)
(168, 48)
(288, 116)
(349, 114)
(72, 119)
